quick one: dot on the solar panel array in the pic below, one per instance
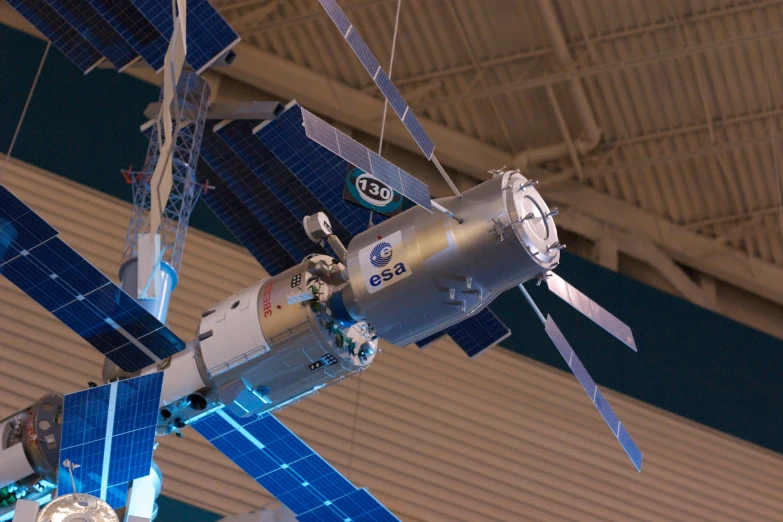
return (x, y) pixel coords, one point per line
(86, 31)
(320, 171)
(475, 334)
(261, 201)
(96, 30)
(140, 34)
(238, 135)
(77, 293)
(59, 32)
(593, 392)
(366, 160)
(591, 309)
(208, 35)
(286, 467)
(109, 431)
(380, 77)
(256, 192)
(241, 222)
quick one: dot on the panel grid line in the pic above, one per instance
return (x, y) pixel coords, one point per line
(379, 76)
(327, 136)
(474, 334)
(592, 390)
(209, 35)
(62, 35)
(54, 275)
(289, 469)
(108, 437)
(109, 431)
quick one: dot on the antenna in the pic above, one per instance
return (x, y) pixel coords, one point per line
(70, 467)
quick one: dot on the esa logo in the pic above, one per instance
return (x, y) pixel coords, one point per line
(387, 274)
(381, 255)
(383, 263)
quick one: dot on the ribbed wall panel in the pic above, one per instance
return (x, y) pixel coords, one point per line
(434, 435)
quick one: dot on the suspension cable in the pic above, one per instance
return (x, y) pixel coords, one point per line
(24, 110)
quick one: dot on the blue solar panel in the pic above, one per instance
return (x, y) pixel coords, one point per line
(286, 467)
(391, 93)
(475, 334)
(238, 219)
(95, 30)
(592, 390)
(354, 152)
(317, 168)
(363, 53)
(208, 34)
(332, 140)
(62, 35)
(561, 288)
(381, 79)
(254, 194)
(387, 172)
(53, 274)
(422, 343)
(420, 136)
(109, 431)
(135, 29)
(338, 16)
(78, 294)
(20, 228)
(289, 190)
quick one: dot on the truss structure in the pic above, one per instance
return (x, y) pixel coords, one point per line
(189, 117)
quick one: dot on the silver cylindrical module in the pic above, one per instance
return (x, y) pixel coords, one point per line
(418, 273)
(276, 341)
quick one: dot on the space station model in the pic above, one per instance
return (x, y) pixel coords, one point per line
(335, 289)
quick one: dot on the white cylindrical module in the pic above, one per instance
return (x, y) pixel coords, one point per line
(273, 343)
(14, 464)
(181, 376)
(419, 272)
(230, 333)
(143, 494)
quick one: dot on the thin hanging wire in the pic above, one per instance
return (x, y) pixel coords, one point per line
(24, 111)
(385, 101)
(391, 65)
(380, 146)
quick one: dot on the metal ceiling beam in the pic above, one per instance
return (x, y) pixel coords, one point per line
(580, 43)
(716, 124)
(357, 109)
(640, 248)
(692, 154)
(231, 111)
(704, 223)
(333, 99)
(686, 247)
(605, 68)
(316, 12)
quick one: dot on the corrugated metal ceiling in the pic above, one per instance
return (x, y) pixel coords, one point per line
(689, 95)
